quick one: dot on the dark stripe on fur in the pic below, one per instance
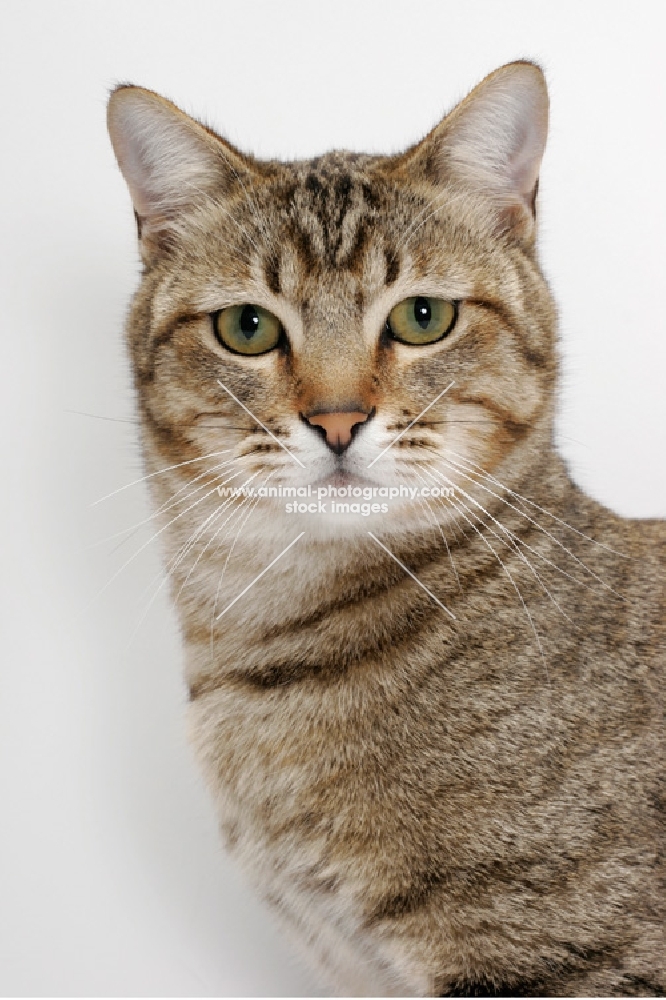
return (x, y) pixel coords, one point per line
(272, 273)
(483, 988)
(278, 675)
(161, 338)
(533, 357)
(392, 267)
(560, 975)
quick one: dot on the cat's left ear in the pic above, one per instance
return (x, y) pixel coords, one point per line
(492, 143)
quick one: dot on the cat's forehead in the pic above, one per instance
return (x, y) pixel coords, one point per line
(337, 190)
(336, 210)
(332, 173)
(340, 216)
(339, 229)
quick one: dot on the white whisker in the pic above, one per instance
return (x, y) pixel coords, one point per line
(169, 503)
(211, 199)
(543, 510)
(211, 540)
(144, 546)
(414, 224)
(180, 555)
(159, 472)
(511, 579)
(515, 540)
(423, 501)
(455, 466)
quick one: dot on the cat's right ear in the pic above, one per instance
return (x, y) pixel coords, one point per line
(170, 162)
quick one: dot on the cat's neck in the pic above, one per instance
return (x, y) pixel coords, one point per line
(332, 604)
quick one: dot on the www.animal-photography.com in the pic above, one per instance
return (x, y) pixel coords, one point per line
(334, 497)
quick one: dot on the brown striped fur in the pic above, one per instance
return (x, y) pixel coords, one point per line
(436, 805)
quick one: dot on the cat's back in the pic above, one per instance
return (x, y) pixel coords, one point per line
(629, 559)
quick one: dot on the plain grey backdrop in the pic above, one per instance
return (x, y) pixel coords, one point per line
(112, 877)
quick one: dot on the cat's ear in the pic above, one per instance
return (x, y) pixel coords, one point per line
(493, 143)
(169, 161)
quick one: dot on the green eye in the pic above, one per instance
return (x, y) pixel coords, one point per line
(422, 320)
(247, 329)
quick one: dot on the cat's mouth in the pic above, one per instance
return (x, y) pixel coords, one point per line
(340, 478)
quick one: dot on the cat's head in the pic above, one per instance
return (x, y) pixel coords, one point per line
(383, 317)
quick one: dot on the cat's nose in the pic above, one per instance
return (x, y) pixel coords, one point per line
(338, 427)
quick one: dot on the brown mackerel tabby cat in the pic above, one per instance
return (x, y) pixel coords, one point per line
(434, 734)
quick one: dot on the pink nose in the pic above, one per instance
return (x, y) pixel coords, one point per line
(338, 427)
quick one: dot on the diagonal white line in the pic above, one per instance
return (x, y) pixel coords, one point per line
(257, 420)
(414, 578)
(415, 420)
(260, 576)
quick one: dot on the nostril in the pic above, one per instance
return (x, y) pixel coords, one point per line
(338, 427)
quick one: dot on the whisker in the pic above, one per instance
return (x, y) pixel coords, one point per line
(258, 421)
(521, 541)
(455, 420)
(181, 554)
(265, 570)
(426, 514)
(413, 576)
(160, 579)
(513, 582)
(99, 416)
(213, 200)
(144, 546)
(159, 472)
(225, 425)
(454, 465)
(414, 224)
(223, 573)
(515, 539)
(441, 199)
(211, 540)
(539, 555)
(543, 510)
(423, 501)
(457, 527)
(251, 202)
(131, 531)
(196, 534)
(169, 503)
(411, 423)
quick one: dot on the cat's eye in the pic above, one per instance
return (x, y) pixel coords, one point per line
(421, 320)
(247, 329)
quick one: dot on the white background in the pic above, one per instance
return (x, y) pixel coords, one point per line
(112, 880)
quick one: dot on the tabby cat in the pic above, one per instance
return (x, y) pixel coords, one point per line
(432, 728)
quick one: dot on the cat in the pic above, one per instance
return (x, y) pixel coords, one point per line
(432, 729)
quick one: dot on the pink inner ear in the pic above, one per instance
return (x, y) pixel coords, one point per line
(129, 130)
(135, 174)
(525, 165)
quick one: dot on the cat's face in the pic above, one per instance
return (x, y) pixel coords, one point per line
(383, 318)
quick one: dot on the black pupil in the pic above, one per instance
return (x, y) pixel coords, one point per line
(249, 321)
(422, 312)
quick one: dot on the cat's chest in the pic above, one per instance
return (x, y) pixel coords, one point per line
(319, 894)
